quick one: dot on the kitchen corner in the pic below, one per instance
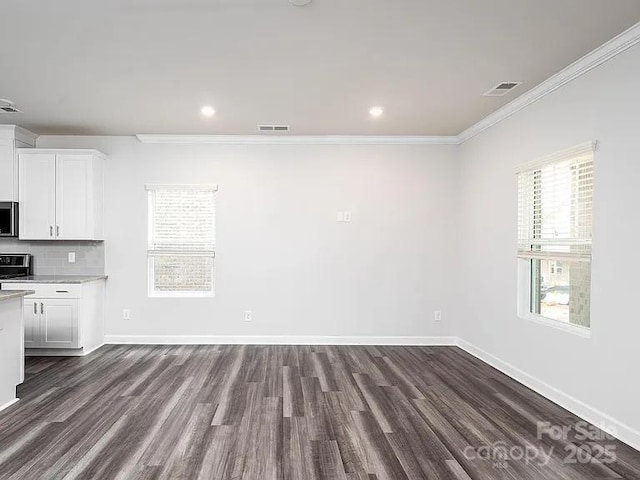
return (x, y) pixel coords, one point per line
(52, 282)
(54, 315)
(63, 314)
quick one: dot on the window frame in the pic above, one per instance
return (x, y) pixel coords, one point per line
(526, 266)
(152, 254)
(525, 298)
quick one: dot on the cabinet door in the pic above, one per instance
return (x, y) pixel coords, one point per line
(74, 205)
(59, 323)
(7, 167)
(31, 315)
(37, 196)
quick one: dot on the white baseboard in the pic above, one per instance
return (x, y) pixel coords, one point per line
(8, 404)
(59, 352)
(275, 340)
(87, 352)
(623, 432)
(52, 352)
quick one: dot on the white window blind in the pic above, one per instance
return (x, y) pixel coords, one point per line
(181, 247)
(555, 200)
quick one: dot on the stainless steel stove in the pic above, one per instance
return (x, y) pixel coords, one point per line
(15, 265)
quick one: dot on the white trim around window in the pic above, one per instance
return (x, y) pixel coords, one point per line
(555, 223)
(181, 240)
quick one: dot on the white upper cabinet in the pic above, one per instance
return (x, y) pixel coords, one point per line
(11, 138)
(74, 197)
(61, 194)
(37, 203)
(6, 165)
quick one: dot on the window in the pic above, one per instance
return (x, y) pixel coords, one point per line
(556, 268)
(555, 198)
(182, 236)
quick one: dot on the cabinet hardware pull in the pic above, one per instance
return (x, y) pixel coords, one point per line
(42, 308)
(57, 230)
(51, 230)
(35, 308)
(62, 291)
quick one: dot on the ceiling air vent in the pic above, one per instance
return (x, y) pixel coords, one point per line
(7, 106)
(273, 128)
(9, 109)
(502, 89)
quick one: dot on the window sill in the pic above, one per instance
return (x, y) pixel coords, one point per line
(182, 295)
(557, 324)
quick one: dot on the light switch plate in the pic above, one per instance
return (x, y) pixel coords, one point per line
(343, 217)
(72, 257)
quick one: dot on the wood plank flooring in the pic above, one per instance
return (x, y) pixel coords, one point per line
(290, 412)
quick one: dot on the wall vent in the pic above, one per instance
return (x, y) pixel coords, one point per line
(501, 89)
(7, 106)
(273, 128)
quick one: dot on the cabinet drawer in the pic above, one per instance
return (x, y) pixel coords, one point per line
(47, 290)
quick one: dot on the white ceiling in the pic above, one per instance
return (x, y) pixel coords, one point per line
(147, 66)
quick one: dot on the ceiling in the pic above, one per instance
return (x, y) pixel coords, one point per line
(121, 67)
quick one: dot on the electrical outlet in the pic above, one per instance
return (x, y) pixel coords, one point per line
(126, 314)
(247, 316)
(71, 257)
(343, 217)
(437, 316)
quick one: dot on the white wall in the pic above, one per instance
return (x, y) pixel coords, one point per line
(601, 371)
(280, 251)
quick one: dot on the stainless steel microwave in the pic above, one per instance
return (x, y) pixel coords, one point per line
(8, 219)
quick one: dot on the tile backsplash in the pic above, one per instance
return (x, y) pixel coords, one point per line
(50, 258)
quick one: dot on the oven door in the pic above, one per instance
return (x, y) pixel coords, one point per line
(8, 219)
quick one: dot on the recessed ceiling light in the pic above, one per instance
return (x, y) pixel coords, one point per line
(299, 3)
(376, 112)
(208, 111)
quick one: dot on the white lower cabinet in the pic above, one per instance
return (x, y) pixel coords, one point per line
(61, 316)
(11, 354)
(51, 323)
(59, 324)
(31, 323)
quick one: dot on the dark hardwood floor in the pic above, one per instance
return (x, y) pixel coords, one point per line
(291, 412)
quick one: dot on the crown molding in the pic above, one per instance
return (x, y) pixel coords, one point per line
(18, 133)
(64, 151)
(298, 139)
(605, 52)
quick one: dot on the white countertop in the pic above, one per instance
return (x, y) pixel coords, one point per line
(10, 294)
(55, 279)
